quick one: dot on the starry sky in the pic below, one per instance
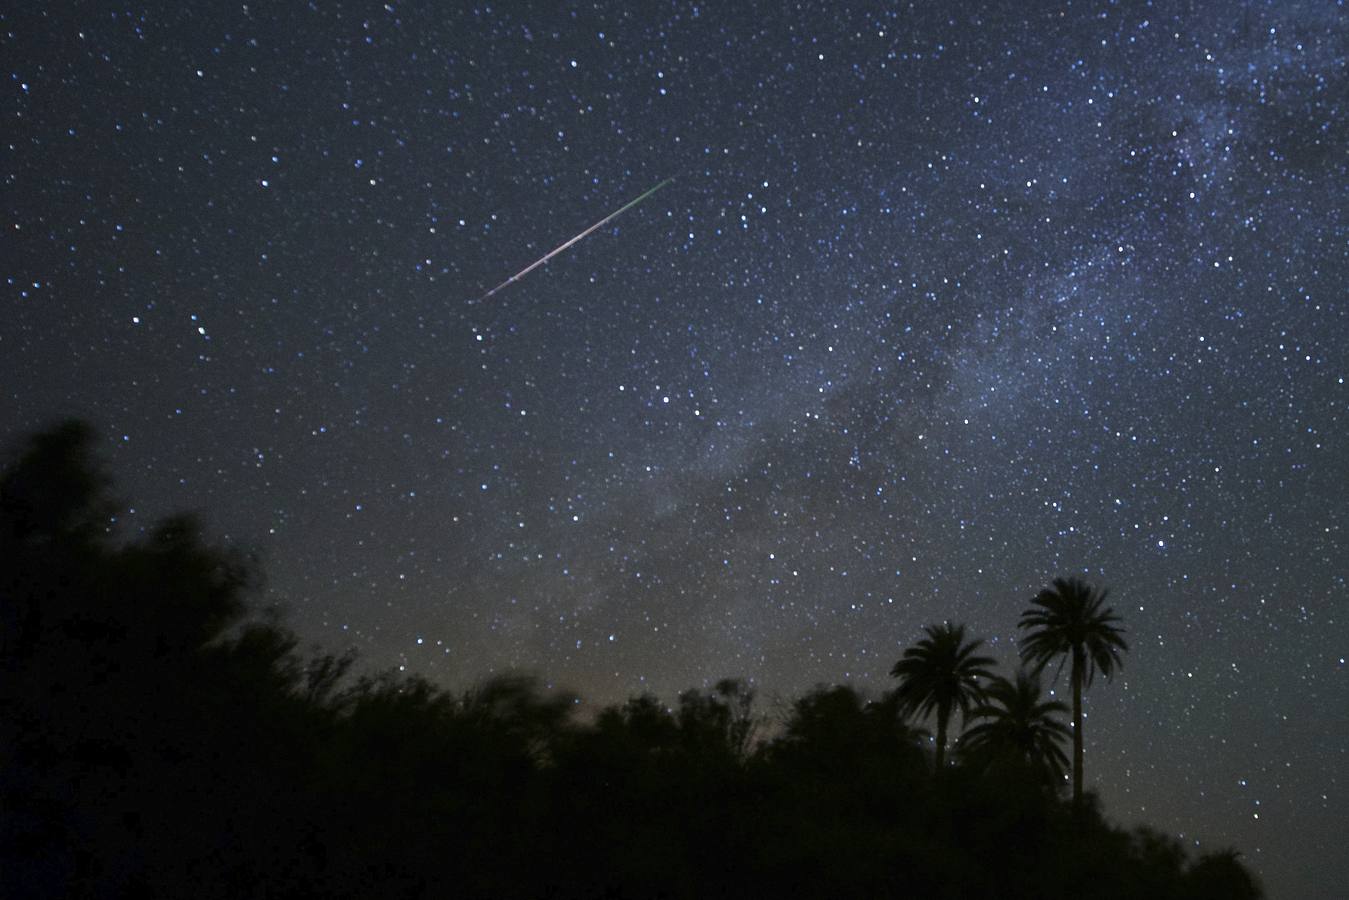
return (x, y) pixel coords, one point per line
(944, 300)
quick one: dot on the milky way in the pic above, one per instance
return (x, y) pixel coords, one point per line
(945, 301)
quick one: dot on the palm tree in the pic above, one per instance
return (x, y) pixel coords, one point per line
(941, 672)
(1070, 619)
(1017, 725)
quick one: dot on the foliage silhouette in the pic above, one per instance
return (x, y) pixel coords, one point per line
(157, 738)
(1070, 619)
(718, 724)
(941, 673)
(1016, 727)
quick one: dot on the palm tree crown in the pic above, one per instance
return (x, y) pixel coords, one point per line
(1015, 724)
(1070, 619)
(941, 673)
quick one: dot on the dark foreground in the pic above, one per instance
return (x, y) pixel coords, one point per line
(157, 740)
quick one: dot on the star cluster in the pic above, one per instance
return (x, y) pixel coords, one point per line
(944, 300)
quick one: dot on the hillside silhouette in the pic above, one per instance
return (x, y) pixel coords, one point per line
(160, 738)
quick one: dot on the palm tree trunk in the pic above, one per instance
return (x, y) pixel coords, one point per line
(942, 715)
(1078, 664)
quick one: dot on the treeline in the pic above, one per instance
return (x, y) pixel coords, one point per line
(159, 740)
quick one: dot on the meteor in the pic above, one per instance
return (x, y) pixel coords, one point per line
(600, 224)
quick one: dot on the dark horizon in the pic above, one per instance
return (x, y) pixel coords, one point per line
(944, 301)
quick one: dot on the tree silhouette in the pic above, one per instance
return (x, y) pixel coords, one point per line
(1221, 875)
(941, 673)
(127, 684)
(57, 486)
(718, 723)
(1070, 619)
(835, 732)
(1015, 725)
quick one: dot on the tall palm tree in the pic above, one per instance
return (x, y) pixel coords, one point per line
(941, 673)
(1016, 724)
(1070, 619)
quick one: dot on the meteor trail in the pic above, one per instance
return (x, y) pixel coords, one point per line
(600, 224)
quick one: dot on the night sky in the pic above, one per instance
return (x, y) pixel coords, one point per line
(944, 300)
